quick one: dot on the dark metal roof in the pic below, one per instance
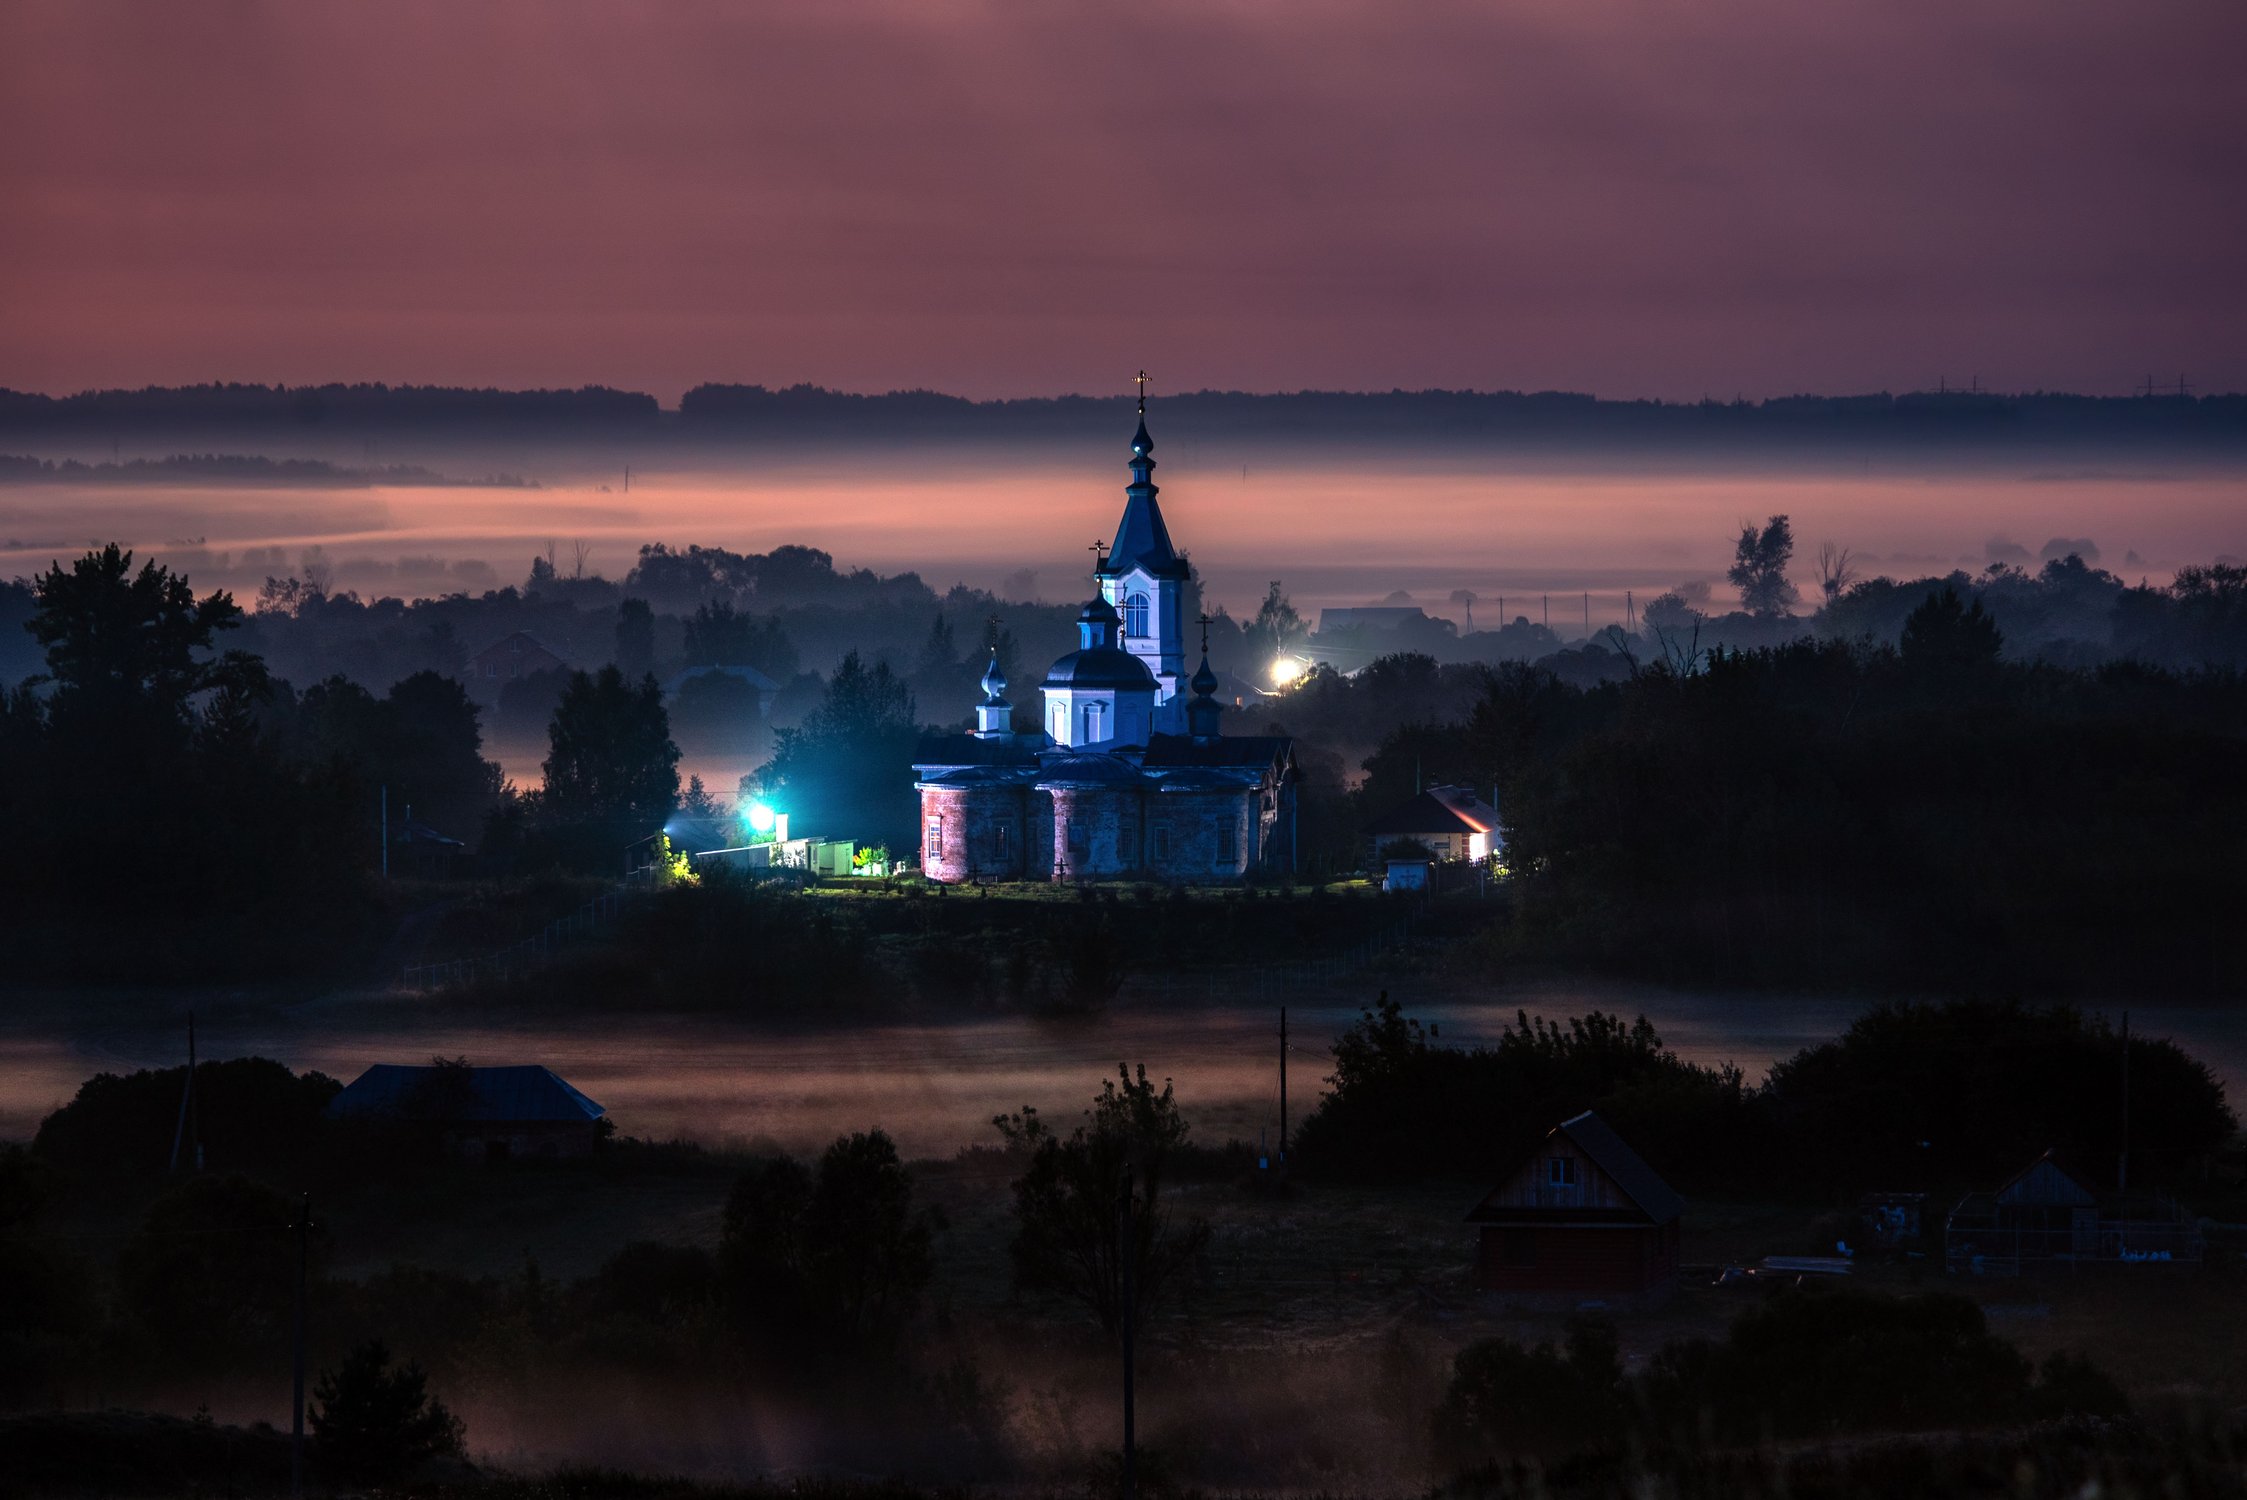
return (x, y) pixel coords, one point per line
(939, 751)
(1203, 778)
(494, 1095)
(1229, 750)
(974, 776)
(1088, 770)
(1629, 1171)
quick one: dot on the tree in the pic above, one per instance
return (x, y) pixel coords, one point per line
(117, 639)
(1278, 627)
(376, 1424)
(1759, 568)
(1067, 1240)
(818, 1264)
(1836, 571)
(635, 638)
(612, 760)
(1945, 633)
(847, 770)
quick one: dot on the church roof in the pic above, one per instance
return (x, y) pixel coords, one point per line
(939, 752)
(1249, 750)
(1093, 769)
(1142, 540)
(1101, 667)
(1202, 778)
(971, 776)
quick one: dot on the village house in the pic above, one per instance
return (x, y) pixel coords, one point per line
(1450, 820)
(2048, 1216)
(509, 658)
(1584, 1216)
(483, 1114)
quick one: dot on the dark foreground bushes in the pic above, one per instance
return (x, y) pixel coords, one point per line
(1911, 1096)
(1806, 1365)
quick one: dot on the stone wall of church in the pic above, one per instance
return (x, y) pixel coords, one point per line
(976, 833)
(1095, 832)
(1186, 835)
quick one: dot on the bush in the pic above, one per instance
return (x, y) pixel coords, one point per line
(1506, 1402)
(374, 1423)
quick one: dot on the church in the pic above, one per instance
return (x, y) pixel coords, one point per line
(1131, 775)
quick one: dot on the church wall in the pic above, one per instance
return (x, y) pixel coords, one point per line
(1096, 831)
(1195, 821)
(973, 819)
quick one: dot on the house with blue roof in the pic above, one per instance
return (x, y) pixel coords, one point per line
(482, 1114)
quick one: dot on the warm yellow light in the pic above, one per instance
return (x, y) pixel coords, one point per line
(1285, 669)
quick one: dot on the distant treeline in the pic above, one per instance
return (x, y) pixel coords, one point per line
(226, 468)
(1946, 419)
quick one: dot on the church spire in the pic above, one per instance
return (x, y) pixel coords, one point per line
(1202, 712)
(1142, 540)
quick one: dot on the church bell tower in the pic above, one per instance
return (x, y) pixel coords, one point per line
(1144, 578)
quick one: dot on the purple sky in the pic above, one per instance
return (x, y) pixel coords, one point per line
(1657, 199)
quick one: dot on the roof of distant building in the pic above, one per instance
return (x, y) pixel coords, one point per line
(735, 670)
(511, 1095)
(1593, 1136)
(1439, 809)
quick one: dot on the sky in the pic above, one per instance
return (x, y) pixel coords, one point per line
(1731, 197)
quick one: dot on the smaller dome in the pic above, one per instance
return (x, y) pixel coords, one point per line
(1109, 667)
(1098, 611)
(994, 681)
(1204, 682)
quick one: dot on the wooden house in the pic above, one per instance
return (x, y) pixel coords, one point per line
(2049, 1215)
(1583, 1216)
(513, 656)
(1450, 820)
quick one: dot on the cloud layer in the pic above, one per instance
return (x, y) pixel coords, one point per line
(1752, 196)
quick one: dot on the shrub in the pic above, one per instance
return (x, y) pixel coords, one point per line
(375, 1423)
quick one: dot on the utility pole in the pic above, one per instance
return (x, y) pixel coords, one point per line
(1283, 1087)
(1548, 611)
(2122, 1160)
(1587, 613)
(386, 830)
(1124, 1257)
(303, 1278)
(187, 1114)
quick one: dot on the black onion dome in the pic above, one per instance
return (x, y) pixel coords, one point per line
(1204, 681)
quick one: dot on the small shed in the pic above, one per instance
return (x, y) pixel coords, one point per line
(1583, 1215)
(1451, 820)
(2049, 1215)
(484, 1114)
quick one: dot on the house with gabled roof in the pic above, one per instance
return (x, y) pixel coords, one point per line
(1451, 820)
(2050, 1214)
(484, 1114)
(1583, 1215)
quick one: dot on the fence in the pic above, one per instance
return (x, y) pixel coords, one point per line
(594, 917)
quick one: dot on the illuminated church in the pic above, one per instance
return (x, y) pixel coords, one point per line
(1130, 775)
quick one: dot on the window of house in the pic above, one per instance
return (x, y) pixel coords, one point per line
(932, 852)
(1228, 835)
(1520, 1247)
(1561, 1171)
(1135, 616)
(1162, 841)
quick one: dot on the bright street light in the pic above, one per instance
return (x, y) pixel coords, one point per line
(1285, 669)
(761, 818)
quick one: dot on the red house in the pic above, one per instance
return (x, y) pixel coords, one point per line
(1583, 1216)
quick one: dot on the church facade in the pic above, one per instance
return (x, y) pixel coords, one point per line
(1130, 775)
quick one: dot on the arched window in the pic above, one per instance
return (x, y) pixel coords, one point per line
(1135, 616)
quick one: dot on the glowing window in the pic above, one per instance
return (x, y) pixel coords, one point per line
(1135, 616)
(933, 852)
